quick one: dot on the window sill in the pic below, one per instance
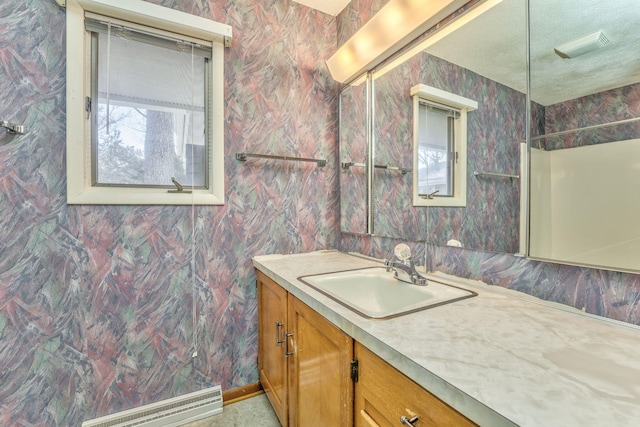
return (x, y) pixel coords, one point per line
(141, 196)
(435, 202)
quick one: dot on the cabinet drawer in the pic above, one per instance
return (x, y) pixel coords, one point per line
(384, 395)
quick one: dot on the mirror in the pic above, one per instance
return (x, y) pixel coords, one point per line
(353, 154)
(468, 59)
(588, 103)
(585, 151)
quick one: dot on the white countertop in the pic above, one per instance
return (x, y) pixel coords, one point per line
(501, 358)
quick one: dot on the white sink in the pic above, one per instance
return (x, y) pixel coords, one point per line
(375, 293)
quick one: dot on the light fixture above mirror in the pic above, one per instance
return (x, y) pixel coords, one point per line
(382, 35)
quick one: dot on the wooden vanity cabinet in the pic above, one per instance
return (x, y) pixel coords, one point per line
(305, 366)
(304, 361)
(383, 396)
(320, 384)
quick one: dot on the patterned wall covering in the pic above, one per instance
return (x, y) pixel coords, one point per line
(610, 294)
(604, 107)
(606, 293)
(96, 302)
(394, 213)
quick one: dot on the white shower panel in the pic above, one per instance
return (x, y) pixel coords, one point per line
(585, 204)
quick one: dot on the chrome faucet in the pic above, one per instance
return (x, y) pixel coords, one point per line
(404, 268)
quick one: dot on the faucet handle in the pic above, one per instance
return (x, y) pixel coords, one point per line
(402, 252)
(419, 280)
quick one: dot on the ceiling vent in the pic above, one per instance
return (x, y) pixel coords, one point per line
(583, 45)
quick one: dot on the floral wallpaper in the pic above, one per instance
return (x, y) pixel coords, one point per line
(102, 307)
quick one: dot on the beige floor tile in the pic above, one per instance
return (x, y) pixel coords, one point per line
(255, 411)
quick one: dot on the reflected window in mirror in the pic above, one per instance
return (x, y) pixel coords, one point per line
(440, 147)
(437, 155)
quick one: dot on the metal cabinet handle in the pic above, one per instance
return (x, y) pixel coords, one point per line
(287, 352)
(408, 421)
(278, 326)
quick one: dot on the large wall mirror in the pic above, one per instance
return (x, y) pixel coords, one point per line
(584, 133)
(469, 59)
(585, 153)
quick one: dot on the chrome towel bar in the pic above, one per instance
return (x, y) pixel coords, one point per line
(501, 175)
(13, 129)
(347, 165)
(243, 158)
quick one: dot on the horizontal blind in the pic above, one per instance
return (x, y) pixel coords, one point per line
(143, 68)
(99, 24)
(441, 108)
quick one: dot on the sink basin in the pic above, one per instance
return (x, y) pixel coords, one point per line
(375, 293)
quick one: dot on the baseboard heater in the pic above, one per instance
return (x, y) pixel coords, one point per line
(166, 413)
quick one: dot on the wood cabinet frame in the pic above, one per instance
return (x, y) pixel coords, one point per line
(304, 361)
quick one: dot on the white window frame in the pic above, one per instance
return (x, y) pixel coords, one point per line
(138, 12)
(464, 105)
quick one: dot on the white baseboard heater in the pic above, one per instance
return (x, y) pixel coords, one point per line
(166, 413)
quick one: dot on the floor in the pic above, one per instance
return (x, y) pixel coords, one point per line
(255, 411)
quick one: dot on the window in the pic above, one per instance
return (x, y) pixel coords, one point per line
(147, 127)
(144, 105)
(440, 147)
(436, 149)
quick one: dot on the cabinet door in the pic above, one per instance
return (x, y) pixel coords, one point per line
(384, 395)
(272, 363)
(320, 385)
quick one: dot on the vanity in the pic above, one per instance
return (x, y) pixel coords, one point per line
(500, 358)
(512, 103)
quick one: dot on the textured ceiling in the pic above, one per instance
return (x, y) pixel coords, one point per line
(331, 7)
(493, 45)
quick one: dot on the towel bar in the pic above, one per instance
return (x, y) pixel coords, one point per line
(13, 129)
(243, 158)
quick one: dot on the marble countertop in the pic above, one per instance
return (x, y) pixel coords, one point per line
(502, 358)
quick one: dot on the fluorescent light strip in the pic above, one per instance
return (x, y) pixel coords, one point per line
(396, 24)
